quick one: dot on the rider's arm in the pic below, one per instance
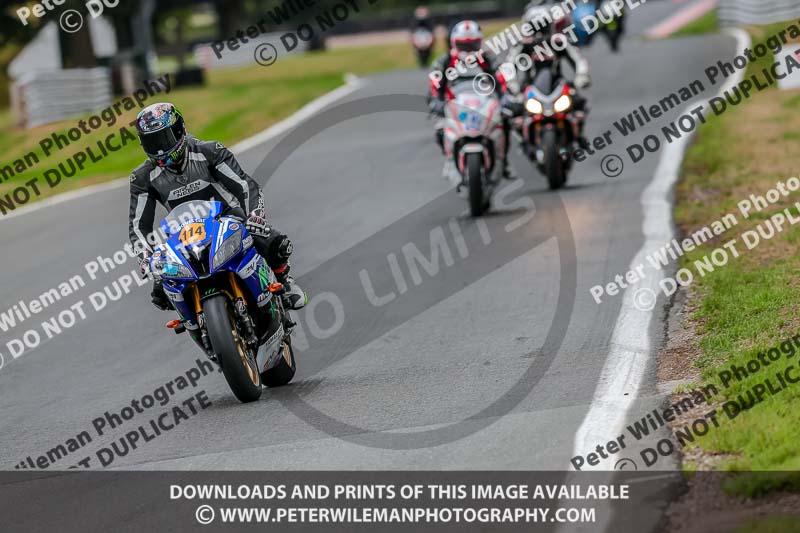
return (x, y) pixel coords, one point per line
(142, 212)
(576, 59)
(514, 85)
(438, 77)
(226, 170)
(492, 67)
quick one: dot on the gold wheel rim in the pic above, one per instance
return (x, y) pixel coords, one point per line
(287, 354)
(254, 375)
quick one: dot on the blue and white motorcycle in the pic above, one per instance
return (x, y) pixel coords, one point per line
(226, 296)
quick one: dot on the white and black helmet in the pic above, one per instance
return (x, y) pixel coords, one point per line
(466, 36)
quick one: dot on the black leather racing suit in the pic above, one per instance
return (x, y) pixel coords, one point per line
(569, 53)
(209, 172)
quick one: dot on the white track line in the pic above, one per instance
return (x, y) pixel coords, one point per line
(631, 346)
(352, 83)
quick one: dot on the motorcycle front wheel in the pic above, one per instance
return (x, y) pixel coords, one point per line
(238, 365)
(553, 165)
(474, 164)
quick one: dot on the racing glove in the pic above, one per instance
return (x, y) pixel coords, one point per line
(437, 107)
(511, 107)
(582, 81)
(257, 226)
(284, 249)
(144, 264)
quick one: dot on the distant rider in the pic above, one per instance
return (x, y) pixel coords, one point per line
(422, 20)
(466, 56)
(181, 168)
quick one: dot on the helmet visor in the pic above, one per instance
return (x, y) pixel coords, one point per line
(162, 142)
(468, 45)
(541, 36)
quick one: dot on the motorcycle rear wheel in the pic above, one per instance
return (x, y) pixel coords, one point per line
(238, 365)
(284, 371)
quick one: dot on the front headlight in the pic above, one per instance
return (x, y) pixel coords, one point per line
(229, 248)
(563, 103)
(534, 106)
(174, 270)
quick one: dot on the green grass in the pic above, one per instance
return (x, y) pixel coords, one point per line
(752, 303)
(233, 105)
(706, 24)
(773, 524)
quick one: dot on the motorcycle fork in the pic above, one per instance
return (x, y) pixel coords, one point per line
(194, 298)
(244, 317)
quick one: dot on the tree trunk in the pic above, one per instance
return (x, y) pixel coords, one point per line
(231, 14)
(77, 50)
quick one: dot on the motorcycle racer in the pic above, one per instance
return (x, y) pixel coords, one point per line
(181, 168)
(543, 31)
(422, 20)
(467, 60)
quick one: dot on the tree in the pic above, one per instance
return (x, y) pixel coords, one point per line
(231, 16)
(76, 48)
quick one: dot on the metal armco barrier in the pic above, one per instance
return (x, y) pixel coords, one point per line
(733, 12)
(44, 97)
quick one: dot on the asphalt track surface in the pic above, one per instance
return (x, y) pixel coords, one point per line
(491, 363)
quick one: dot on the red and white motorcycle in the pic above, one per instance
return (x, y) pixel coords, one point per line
(474, 145)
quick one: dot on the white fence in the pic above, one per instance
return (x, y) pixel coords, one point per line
(732, 12)
(44, 97)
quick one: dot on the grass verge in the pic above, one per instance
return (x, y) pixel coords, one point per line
(752, 303)
(233, 105)
(708, 23)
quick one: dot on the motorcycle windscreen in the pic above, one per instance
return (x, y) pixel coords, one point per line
(189, 213)
(544, 81)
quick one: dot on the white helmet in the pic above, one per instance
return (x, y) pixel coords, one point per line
(466, 36)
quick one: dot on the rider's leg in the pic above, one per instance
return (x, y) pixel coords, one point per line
(159, 297)
(276, 249)
(580, 110)
(440, 135)
(508, 169)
